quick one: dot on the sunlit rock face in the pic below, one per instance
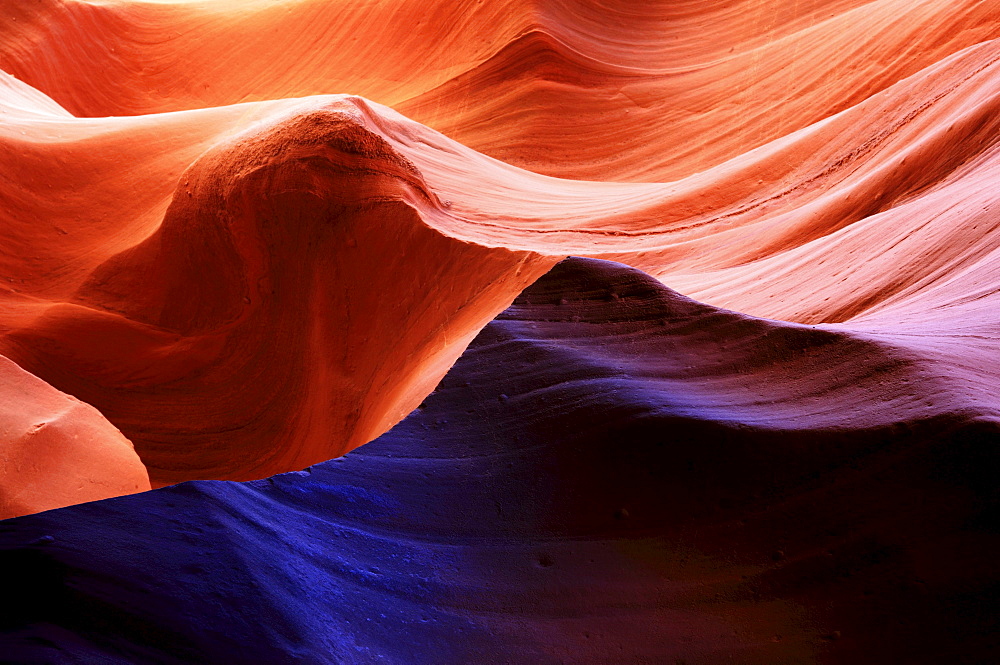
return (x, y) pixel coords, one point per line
(754, 419)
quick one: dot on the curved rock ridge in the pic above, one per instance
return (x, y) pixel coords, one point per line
(622, 491)
(57, 451)
(754, 420)
(657, 92)
(233, 302)
(822, 225)
(292, 304)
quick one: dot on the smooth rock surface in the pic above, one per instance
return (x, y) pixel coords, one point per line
(579, 488)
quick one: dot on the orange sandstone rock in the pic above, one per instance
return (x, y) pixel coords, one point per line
(57, 451)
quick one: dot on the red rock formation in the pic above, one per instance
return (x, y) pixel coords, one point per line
(251, 288)
(291, 305)
(591, 89)
(57, 451)
(254, 236)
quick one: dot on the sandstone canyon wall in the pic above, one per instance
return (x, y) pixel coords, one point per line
(529, 331)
